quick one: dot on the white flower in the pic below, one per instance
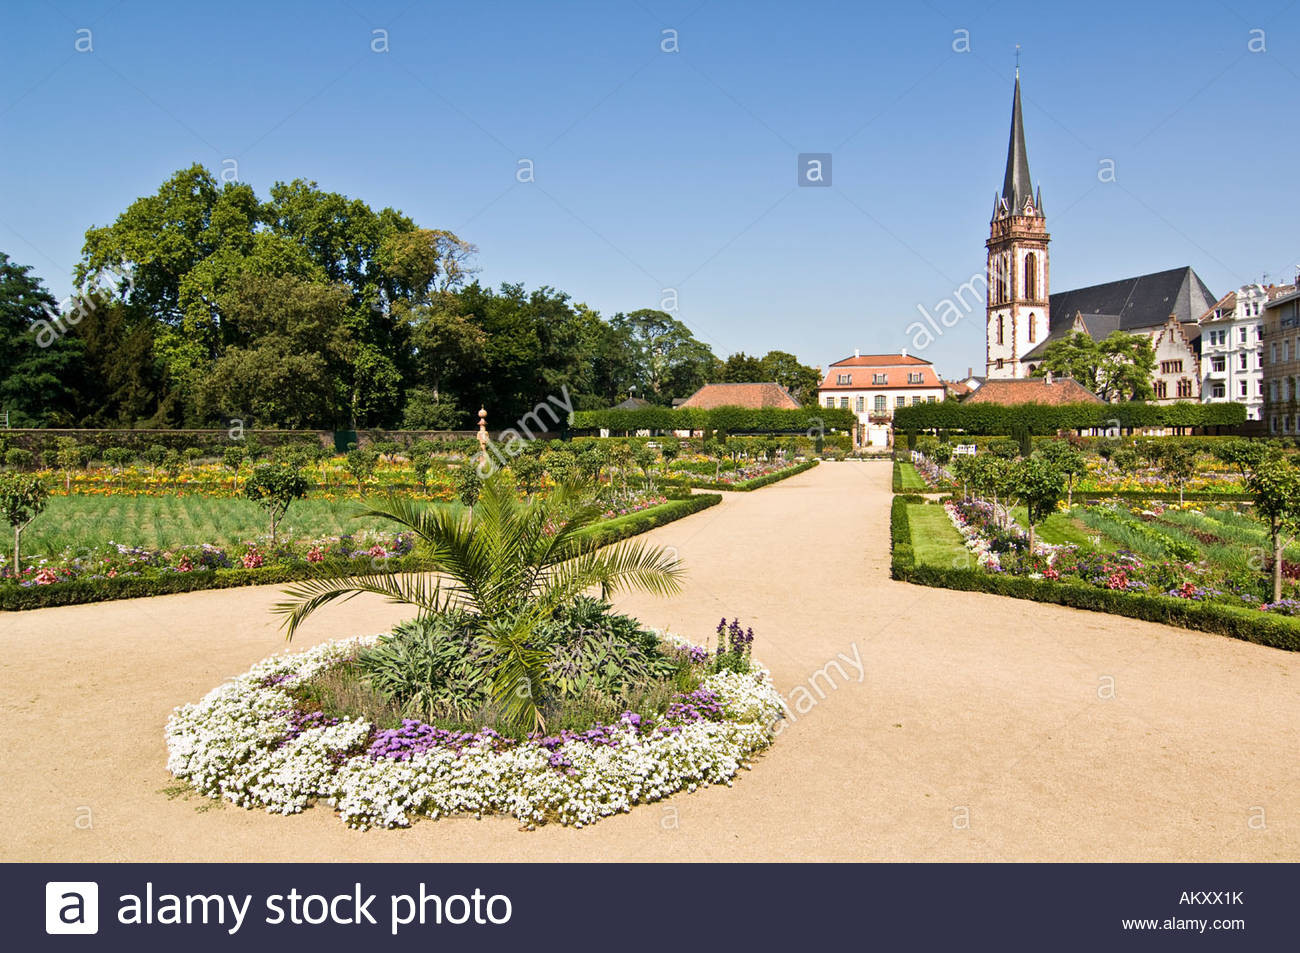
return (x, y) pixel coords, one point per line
(234, 744)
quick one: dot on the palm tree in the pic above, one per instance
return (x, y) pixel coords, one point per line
(511, 563)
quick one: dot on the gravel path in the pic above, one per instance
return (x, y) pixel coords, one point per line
(957, 726)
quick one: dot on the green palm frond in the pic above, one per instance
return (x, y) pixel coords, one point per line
(415, 589)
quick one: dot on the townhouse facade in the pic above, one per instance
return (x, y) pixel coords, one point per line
(874, 386)
(1281, 347)
(1232, 350)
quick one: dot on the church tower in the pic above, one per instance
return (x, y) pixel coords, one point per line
(1017, 263)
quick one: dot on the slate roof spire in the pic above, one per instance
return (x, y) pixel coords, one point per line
(1016, 186)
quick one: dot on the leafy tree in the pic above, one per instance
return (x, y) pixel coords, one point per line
(16, 458)
(1126, 459)
(1006, 449)
(511, 564)
(1243, 454)
(942, 454)
(528, 470)
(799, 379)
(670, 361)
(1275, 484)
(360, 463)
(1068, 461)
(1116, 368)
(468, 482)
(232, 458)
(70, 456)
(274, 487)
(39, 358)
(22, 499)
(1179, 464)
(1039, 485)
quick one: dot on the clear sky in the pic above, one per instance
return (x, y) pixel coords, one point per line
(657, 169)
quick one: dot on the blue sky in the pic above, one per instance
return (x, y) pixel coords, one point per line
(677, 170)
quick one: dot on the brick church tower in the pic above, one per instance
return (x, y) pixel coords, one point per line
(1017, 263)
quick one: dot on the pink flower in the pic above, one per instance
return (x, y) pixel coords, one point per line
(252, 559)
(377, 551)
(46, 576)
(315, 555)
(184, 565)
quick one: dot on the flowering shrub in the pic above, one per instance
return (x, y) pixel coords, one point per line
(116, 559)
(246, 742)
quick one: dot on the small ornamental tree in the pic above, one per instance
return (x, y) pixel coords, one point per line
(1004, 448)
(273, 486)
(528, 471)
(360, 463)
(1040, 485)
(1243, 454)
(1275, 484)
(1178, 461)
(17, 458)
(232, 458)
(942, 454)
(1068, 461)
(70, 457)
(468, 482)
(22, 498)
(963, 468)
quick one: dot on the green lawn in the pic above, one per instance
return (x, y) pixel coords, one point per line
(910, 478)
(167, 521)
(934, 539)
(1061, 527)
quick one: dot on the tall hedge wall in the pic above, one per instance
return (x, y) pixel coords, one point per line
(730, 419)
(1046, 418)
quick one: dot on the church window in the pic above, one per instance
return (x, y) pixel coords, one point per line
(1001, 331)
(1033, 328)
(1031, 278)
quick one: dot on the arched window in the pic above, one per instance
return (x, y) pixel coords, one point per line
(1004, 278)
(1001, 327)
(1033, 328)
(1031, 278)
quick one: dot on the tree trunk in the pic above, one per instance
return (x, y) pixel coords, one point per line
(1031, 537)
(1069, 495)
(1277, 562)
(17, 556)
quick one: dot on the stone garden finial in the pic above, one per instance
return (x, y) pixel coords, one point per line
(482, 431)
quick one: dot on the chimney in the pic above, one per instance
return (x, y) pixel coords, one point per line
(904, 352)
(970, 372)
(856, 352)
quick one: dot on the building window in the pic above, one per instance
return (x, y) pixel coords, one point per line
(1272, 353)
(932, 399)
(1033, 328)
(1272, 424)
(999, 363)
(1001, 331)
(900, 401)
(915, 400)
(844, 403)
(1218, 390)
(1161, 389)
(879, 378)
(1217, 364)
(1031, 285)
(1242, 360)
(880, 403)
(1171, 367)
(1286, 351)
(1241, 335)
(830, 401)
(914, 377)
(862, 403)
(1243, 389)
(844, 378)
(1184, 387)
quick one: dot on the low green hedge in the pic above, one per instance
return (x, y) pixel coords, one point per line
(79, 591)
(1249, 625)
(980, 418)
(746, 486)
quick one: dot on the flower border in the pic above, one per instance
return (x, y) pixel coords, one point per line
(243, 743)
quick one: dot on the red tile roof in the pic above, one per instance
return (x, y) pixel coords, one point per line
(895, 367)
(879, 360)
(749, 396)
(1032, 390)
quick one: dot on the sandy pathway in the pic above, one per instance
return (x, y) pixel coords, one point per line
(982, 728)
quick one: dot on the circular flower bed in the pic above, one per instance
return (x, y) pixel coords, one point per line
(248, 743)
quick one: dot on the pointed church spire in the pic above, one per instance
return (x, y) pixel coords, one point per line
(1016, 187)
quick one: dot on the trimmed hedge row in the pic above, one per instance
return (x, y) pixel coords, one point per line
(1048, 419)
(731, 419)
(79, 591)
(746, 486)
(1249, 625)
